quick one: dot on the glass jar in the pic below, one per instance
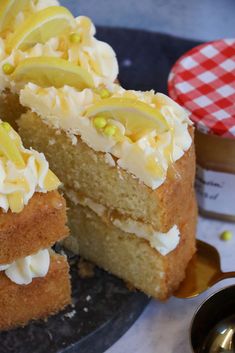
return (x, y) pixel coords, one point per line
(215, 176)
(203, 81)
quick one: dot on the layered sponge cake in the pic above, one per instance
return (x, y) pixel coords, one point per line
(34, 281)
(125, 158)
(127, 164)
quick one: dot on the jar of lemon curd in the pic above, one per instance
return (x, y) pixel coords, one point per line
(203, 82)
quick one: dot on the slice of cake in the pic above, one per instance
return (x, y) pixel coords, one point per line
(127, 164)
(34, 281)
(38, 28)
(126, 158)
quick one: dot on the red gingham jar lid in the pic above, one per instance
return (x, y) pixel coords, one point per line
(203, 82)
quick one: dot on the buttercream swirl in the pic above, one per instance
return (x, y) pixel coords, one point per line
(22, 271)
(48, 49)
(19, 183)
(146, 158)
(95, 56)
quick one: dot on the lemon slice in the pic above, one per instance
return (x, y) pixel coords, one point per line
(9, 148)
(50, 71)
(51, 182)
(39, 27)
(138, 117)
(8, 11)
(16, 202)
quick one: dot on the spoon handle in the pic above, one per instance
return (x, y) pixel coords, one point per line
(225, 275)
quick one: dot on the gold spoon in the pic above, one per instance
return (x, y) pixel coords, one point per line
(203, 272)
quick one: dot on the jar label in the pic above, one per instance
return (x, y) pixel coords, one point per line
(215, 191)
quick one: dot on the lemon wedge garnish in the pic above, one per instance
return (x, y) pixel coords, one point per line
(39, 27)
(51, 182)
(138, 117)
(8, 11)
(50, 71)
(16, 202)
(9, 148)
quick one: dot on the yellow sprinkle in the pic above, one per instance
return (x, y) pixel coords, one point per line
(104, 93)
(226, 235)
(7, 68)
(6, 126)
(99, 122)
(110, 130)
(75, 38)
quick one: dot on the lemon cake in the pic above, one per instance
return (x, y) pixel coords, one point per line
(127, 164)
(125, 158)
(34, 281)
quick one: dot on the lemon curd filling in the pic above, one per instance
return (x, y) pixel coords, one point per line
(144, 131)
(22, 171)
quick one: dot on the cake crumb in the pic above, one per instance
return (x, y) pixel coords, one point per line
(130, 287)
(70, 314)
(88, 298)
(109, 160)
(85, 309)
(51, 141)
(85, 269)
(120, 173)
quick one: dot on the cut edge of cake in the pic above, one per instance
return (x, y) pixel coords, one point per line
(32, 218)
(19, 304)
(82, 217)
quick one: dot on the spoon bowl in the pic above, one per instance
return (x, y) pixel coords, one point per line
(221, 338)
(203, 272)
(213, 325)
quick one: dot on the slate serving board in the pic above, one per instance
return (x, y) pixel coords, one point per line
(103, 308)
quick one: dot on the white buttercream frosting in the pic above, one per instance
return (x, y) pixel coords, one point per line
(147, 158)
(22, 271)
(95, 56)
(164, 243)
(23, 181)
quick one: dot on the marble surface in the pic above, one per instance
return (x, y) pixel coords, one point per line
(164, 327)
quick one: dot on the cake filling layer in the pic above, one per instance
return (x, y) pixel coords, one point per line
(22, 271)
(145, 147)
(164, 243)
